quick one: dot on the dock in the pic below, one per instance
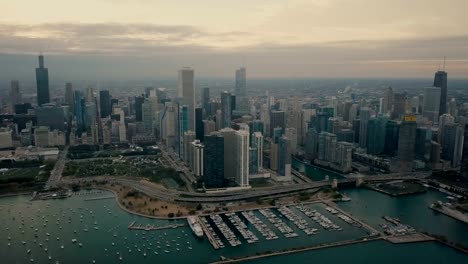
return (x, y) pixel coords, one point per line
(148, 227)
(210, 234)
(99, 198)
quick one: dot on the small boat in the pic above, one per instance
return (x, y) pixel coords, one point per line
(29, 251)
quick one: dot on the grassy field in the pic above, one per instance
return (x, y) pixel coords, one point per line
(17, 174)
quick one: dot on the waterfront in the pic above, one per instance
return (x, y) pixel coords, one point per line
(113, 239)
(314, 172)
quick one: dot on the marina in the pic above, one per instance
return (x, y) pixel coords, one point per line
(242, 228)
(297, 221)
(319, 218)
(263, 229)
(225, 230)
(278, 223)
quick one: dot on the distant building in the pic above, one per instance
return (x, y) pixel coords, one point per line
(364, 116)
(186, 93)
(431, 104)
(277, 119)
(69, 95)
(206, 102)
(406, 144)
(226, 109)
(257, 144)
(42, 83)
(440, 80)
(197, 158)
(452, 147)
(15, 95)
(105, 103)
(51, 116)
(284, 157)
(6, 138)
(214, 160)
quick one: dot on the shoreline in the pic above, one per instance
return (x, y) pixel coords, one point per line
(15, 194)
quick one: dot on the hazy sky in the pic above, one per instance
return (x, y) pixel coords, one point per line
(272, 38)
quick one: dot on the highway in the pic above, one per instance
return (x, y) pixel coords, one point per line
(56, 173)
(190, 197)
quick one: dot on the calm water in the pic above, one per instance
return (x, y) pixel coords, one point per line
(76, 214)
(314, 172)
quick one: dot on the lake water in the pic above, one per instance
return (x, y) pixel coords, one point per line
(112, 238)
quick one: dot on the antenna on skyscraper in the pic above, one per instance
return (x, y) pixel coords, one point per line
(444, 64)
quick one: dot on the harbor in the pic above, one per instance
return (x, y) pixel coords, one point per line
(148, 227)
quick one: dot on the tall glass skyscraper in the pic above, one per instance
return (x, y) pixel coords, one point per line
(42, 83)
(213, 160)
(105, 103)
(440, 80)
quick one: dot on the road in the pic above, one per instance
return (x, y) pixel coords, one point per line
(56, 173)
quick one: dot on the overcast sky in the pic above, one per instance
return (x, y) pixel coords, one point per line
(272, 38)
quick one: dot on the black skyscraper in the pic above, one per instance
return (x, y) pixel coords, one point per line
(206, 101)
(42, 82)
(440, 80)
(105, 103)
(199, 124)
(139, 108)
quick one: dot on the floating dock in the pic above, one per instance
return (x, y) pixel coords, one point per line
(148, 227)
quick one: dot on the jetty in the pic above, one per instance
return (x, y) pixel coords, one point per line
(148, 227)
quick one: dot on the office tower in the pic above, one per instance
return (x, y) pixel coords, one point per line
(199, 123)
(242, 158)
(431, 103)
(253, 161)
(15, 95)
(344, 156)
(6, 138)
(233, 102)
(225, 110)
(346, 135)
(241, 82)
(189, 137)
(51, 116)
(168, 127)
(356, 125)
(208, 127)
(452, 147)
(376, 129)
(69, 95)
(311, 144)
(399, 105)
(277, 133)
(42, 83)
(213, 153)
(274, 151)
(436, 150)
(321, 121)
(138, 108)
(387, 102)
(291, 134)
(284, 157)
(206, 102)
(90, 94)
(452, 108)
(364, 116)
(423, 143)
(22, 108)
(105, 103)
(161, 94)
(353, 113)
(257, 144)
(464, 162)
(444, 119)
(230, 154)
(277, 119)
(182, 126)
(78, 111)
(406, 143)
(41, 136)
(258, 126)
(186, 92)
(440, 80)
(147, 117)
(198, 158)
(327, 146)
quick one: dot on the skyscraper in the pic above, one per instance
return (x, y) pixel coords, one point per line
(206, 102)
(284, 157)
(387, 102)
(138, 108)
(277, 119)
(464, 162)
(213, 162)
(104, 103)
(225, 109)
(440, 80)
(452, 147)
(199, 132)
(42, 83)
(186, 92)
(15, 95)
(242, 158)
(241, 82)
(78, 111)
(257, 143)
(376, 135)
(399, 105)
(431, 104)
(364, 116)
(406, 143)
(69, 95)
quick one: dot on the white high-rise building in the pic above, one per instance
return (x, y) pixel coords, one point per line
(197, 159)
(186, 93)
(242, 158)
(6, 140)
(431, 103)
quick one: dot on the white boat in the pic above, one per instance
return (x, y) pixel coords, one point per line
(195, 226)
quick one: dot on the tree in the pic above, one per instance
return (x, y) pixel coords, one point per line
(170, 215)
(199, 207)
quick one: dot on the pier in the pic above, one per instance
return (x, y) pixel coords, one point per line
(210, 234)
(296, 250)
(148, 227)
(99, 198)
